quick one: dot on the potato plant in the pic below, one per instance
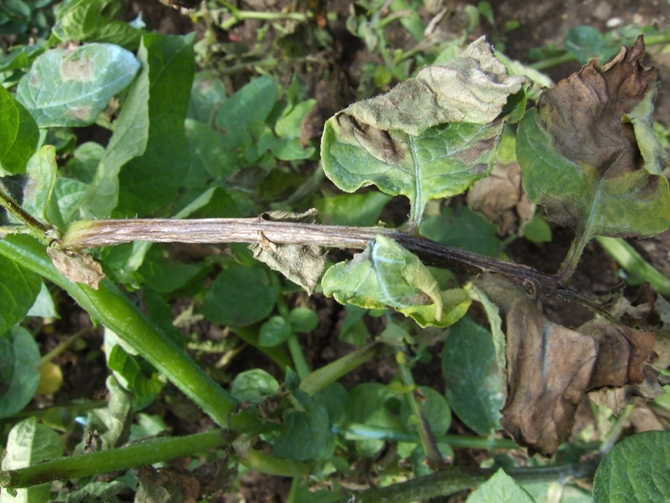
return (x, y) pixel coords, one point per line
(187, 162)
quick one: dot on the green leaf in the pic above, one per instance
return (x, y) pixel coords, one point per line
(305, 434)
(18, 134)
(584, 164)
(68, 193)
(152, 179)
(30, 443)
(471, 374)
(145, 389)
(19, 370)
(386, 274)
(303, 319)
(253, 102)
(500, 488)
(207, 94)
(149, 142)
(85, 160)
(273, 332)
(434, 408)
(429, 137)
(361, 210)
(165, 274)
(353, 329)
(289, 125)
(38, 192)
(463, 228)
(587, 43)
(211, 150)
(254, 386)
(366, 404)
(635, 470)
(93, 21)
(70, 88)
(239, 296)
(44, 305)
(18, 290)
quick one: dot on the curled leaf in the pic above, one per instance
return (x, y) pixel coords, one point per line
(385, 274)
(302, 264)
(77, 267)
(589, 156)
(550, 367)
(429, 137)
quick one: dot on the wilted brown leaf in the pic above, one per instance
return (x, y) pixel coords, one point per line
(502, 200)
(76, 266)
(166, 485)
(550, 367)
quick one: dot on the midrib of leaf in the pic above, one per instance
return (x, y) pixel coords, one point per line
(416, 211)
(380, 278)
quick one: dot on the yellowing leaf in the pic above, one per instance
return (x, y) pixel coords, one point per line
(385, 274)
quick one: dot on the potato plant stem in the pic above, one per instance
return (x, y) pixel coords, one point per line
(433, 456)
(95, 233)
(140, 454)
(450, 481)
(324, 376)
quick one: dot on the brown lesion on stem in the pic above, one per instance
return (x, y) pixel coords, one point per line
(96, 233)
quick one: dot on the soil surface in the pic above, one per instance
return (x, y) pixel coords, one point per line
(334, 78)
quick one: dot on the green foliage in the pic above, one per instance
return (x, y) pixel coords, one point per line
(229, 139)
(634, 470)
(19, 374)
(18, 134)
(471, 375)
(386, 274)
(29, 443)
(71, 88)
(239, 296)
(500, 488)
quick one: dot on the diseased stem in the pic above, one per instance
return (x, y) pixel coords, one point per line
(453, 480)
(95, 233)
(86, 465)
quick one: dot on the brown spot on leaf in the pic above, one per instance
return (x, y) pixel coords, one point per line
(379, 143)
(80, 69)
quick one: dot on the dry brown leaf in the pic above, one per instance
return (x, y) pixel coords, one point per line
(76, 266)
(616, 399)
(502, 200)
(551, 367)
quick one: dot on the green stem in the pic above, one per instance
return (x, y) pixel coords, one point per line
(141, 454)
(556, 60)
(448, 482)
(264, 463)
(35, 227)
(628, 258)
(250, 336)
(62, 347)
(433, 456)
(614, 434)
(569, 265)
(323, 377)
(301, 365)
(109, 306)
